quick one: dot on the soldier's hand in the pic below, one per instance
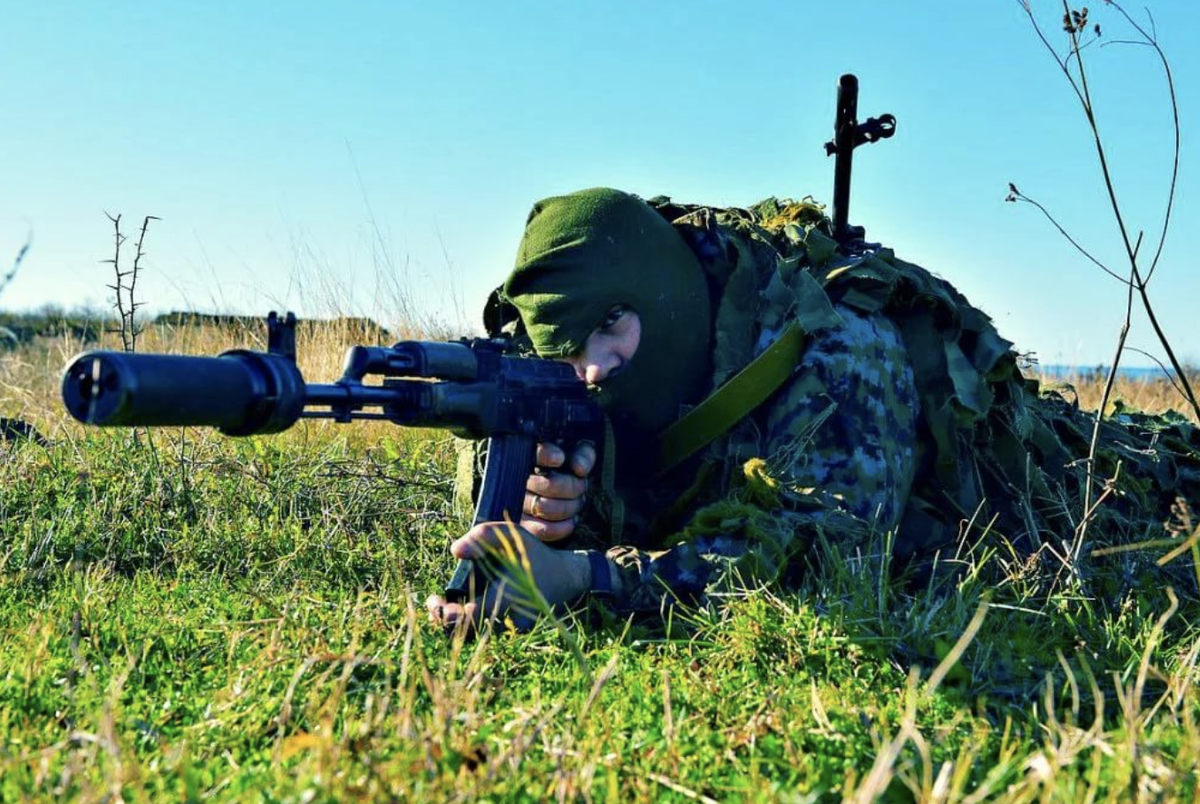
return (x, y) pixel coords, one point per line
(560, 576)
(557, 492)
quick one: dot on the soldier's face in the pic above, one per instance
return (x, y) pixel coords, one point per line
(610, 346)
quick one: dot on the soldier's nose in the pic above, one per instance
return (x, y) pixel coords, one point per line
(603, 368)
(594, 373)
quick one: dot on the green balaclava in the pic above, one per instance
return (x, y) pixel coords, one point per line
(586, 252)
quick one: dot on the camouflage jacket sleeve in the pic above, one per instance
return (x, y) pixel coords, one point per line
(839, 444)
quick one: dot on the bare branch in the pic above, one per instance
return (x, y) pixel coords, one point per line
(1083, 92)
(1062, 63)
(137, 259)
(126, 302)
(1016, 195)
(1094, 443)
(118, 239)
(1166, 371)
(1075, 24)
(16, 266)
(1152, 40)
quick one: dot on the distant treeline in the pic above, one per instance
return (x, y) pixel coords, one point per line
(23, 327)
(364, 328)
(1100, 373)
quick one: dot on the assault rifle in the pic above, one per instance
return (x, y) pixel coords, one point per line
(474, 387)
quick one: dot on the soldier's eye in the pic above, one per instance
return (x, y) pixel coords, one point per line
(613, 316)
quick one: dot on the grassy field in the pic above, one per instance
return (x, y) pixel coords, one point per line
(185, 617)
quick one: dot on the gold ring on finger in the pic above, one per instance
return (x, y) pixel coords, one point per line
(535, 506)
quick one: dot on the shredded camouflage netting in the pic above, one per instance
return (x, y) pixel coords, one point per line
(967, 451)
(999, 459)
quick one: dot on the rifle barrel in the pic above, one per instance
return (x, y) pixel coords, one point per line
(240, 392)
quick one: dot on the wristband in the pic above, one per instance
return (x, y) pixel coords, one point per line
(601, 580)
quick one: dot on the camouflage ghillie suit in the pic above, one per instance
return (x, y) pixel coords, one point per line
(906, 413)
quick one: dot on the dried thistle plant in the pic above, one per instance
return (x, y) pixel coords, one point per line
(125, 283)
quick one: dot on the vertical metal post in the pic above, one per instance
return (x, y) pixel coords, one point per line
(844, 133)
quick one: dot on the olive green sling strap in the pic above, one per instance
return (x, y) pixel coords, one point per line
(733, 401)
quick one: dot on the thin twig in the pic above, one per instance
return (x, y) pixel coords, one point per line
(1062, 63)
(1131, 252)
(1085, 94)
(126, 301)
(134, 330)
(1166, 371)
(1094, 443)
(118, 240)
(1136, 280)
(20, 258)
(1015, 195)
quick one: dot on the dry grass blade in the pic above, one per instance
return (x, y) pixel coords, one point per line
(680, 789)
(519, 590)
(883, 769)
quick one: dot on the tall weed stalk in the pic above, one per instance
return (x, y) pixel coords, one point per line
(1082, 32)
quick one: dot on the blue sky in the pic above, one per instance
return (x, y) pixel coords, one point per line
(341, 159)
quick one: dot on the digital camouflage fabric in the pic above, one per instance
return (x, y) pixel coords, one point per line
(839, 442)
(907, 412)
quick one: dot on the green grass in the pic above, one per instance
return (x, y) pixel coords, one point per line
(186, 617)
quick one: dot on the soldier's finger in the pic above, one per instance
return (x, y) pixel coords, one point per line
(484, 539)
(550, 456)
(549, 532)
(470, 545)
(557, 485)
(459, 618)
(434, 605)
(551, 509)
(583, 459)
(471, 613)
(443, 613)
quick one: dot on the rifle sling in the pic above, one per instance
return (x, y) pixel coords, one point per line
(733, 401)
